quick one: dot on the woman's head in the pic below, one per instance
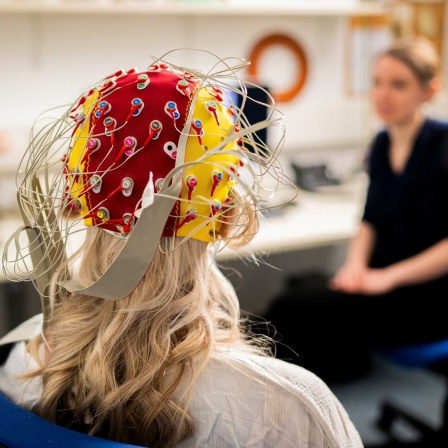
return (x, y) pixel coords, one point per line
(139, 132)
(140, 150)
(404, 78)
(147, 154)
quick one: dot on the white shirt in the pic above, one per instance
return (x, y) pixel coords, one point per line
(239, 400)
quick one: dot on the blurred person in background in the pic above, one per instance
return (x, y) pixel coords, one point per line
(394, 281)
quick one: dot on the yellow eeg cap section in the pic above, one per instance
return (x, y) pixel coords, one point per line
(80, 139)
(206, 185)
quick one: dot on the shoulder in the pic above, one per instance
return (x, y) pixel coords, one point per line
(18, 361)
(381, 137)
(379, 142)
(290, 377)
(25, 392)
(376, 153)
(277, 397)
(25, 331)
(436, 125)
(437, 137)
(435, 132)
(304, 388)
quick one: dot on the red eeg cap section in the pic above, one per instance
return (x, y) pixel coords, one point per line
(134, 129)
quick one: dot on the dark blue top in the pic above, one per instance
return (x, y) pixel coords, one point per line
(409, 210)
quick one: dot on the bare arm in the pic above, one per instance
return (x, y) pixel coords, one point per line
(428, 265)
(361, 246)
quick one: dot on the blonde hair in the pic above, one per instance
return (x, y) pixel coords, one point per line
(417, 53)
(114, 366)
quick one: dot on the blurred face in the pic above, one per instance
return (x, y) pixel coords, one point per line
(396, 94)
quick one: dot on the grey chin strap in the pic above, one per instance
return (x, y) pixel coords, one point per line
(131, 264)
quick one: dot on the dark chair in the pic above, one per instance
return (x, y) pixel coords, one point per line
(433, 356)
(20, 428)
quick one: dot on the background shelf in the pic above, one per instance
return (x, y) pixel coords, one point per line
(192, 8)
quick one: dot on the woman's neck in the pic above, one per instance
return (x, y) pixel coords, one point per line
(402, 138)
(403, 134)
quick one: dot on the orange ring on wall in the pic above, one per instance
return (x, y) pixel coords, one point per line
(300, 58)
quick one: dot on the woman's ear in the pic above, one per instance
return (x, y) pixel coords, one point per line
(432, 88)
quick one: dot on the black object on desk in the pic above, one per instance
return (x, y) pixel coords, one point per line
(312, 177)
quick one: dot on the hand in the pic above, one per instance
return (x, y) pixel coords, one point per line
(356, 279)
(377, 281)
(350, 278)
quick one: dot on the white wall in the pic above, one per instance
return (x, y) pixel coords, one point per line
(49, 59)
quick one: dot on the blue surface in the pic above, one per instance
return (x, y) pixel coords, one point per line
(418, 355)
(20, 428)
